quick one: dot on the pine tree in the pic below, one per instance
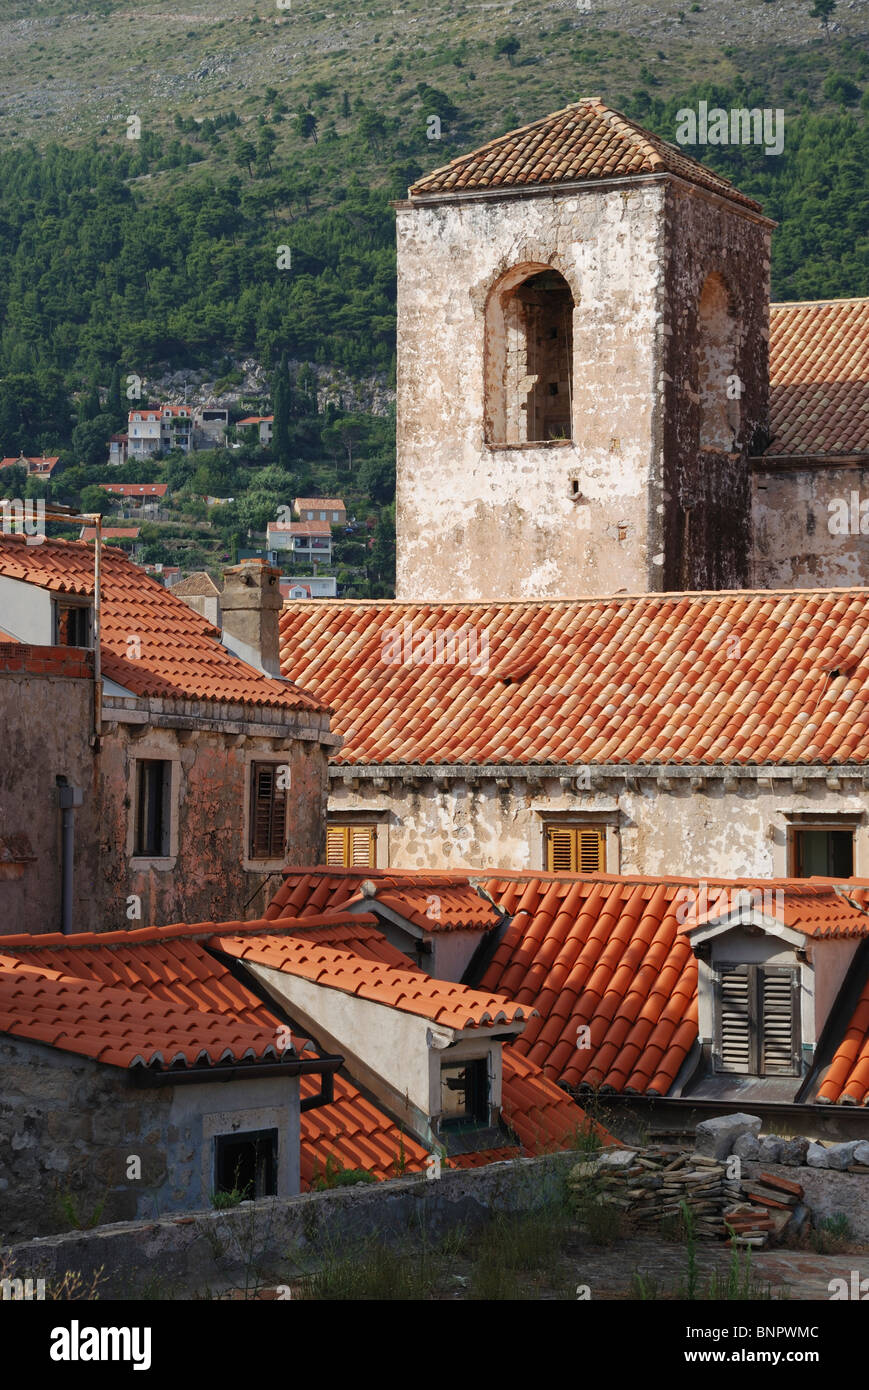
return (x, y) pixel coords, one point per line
(282, 403)
(114, 404)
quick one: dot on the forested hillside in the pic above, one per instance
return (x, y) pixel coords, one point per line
(252, 216)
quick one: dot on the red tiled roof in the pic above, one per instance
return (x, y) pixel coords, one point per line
(113, 1025)
(407, 989)
(136, 489)
(613, 954)
(166, 977)
(300, 528)
(630, 679)
(583, 142)
(434, 902)
(256, 420)
(111, 533)
(41, 464)
(180, 655)
(846, 1080)
(819, 377)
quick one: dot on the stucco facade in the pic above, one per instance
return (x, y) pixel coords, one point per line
(46, 711)
(686, 821)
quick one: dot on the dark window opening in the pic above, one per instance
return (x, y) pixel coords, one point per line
(823, 853)
(465, 1093)
(247, 1163)
(268, 812)
(153, 782)
(73, 625)
(530, 357)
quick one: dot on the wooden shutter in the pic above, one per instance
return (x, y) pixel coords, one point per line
(779, 1050)
(268, 815)
(757, 1020)
(736, 1026)
(575, 849)
(351, 846)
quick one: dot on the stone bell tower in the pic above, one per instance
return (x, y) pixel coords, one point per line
(582, 367)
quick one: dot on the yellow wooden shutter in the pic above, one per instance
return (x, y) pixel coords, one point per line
(361, 845)
(351, 846)
(336, 845)
(560, 849)
(590, 851)
(574, 849)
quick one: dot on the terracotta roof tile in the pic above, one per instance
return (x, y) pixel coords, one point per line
(583, 142)
(819, 377)
(434, 902)
(612, 680)
(180, 653)
(402, 988)
(846, 1080)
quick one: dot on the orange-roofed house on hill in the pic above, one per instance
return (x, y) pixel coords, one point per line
(176, 773)
(35, 467)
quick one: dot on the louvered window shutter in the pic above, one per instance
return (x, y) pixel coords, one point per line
(268, 812)
(351, 846)
(361, 846)
(590, 851)
(336, 845)
(779, 1044)
(577, 849)
(560, 850)
(736, 1020)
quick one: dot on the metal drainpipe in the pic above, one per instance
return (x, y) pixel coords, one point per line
(69, 797)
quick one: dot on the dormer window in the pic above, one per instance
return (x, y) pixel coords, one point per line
(73, 624)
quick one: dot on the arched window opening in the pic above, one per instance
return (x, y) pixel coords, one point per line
(720, 388)
(530, 361)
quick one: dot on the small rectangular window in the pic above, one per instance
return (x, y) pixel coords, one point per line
(351, 846)
(823, 852)
(576, 849)
(465, 1093)
(72, 625)
(153, 783)
(247, 1163)
(268, 811)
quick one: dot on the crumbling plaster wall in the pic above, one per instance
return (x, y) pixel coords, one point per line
(730, 833)
(209, 878)
(793, 545)
(47, 722)
(69, 1126)
(707, 500)
(481, 522)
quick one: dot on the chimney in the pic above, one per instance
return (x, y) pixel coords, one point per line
(250, 606)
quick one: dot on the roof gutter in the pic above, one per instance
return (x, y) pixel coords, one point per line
(146, 1078)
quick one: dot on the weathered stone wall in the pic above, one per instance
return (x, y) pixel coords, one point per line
(706, 497)
(258, 1240)
(209, 877)
(479, 521)
(68, 1127)
(800, 541)
(729, 833)
(47, 722)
